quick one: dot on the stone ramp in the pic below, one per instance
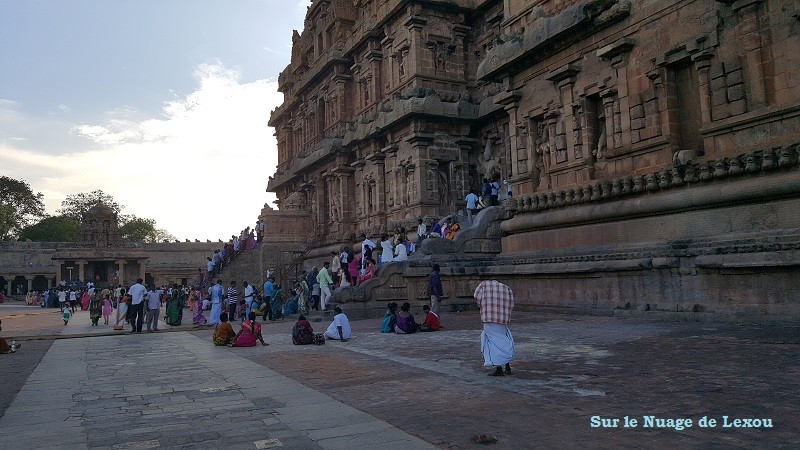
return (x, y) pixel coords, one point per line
(175, 390)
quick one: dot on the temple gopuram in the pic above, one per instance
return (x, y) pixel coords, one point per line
(650, 148)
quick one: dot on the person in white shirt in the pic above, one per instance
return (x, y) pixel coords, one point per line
(249, 293)
(387, 251)
(339, 329)
(137, 293)
(153, 308)
(336, 267)
(400, 252)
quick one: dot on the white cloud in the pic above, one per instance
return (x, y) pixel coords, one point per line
(200, 170)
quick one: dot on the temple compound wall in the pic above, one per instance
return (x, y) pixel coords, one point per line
(651, 147)
(100, 255)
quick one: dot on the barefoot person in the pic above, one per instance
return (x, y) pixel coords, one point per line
(496, 300)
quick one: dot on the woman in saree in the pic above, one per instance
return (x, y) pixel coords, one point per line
(389, 318)
(276, 304)
(292, 305)
(175, 306)
(405, 320)
(370, 272)
(302, 333)
(353, 267)
(198, 318)
(251, 240)
(122, 311)
(250, 333)
(302, 302)
(85, 300)
(95, 309)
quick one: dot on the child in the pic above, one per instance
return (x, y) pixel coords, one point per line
(106, 305)
(431, 322)
(66, 313)
(223, 332)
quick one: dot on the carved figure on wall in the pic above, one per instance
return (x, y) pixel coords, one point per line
(336, 208)
(443, 186)
(491, 162)
(408, 185)
(401, 64)
(600, 147)
(541, 155)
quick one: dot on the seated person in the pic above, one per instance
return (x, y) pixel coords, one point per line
(369, 273)
(339, 329)
(452, 229)
(302, 333)
(223, 331)
(259, 307)
(431, 322)
(436, 231)
(405, 320)
(291, 306)
(250, 333)
(389, 318)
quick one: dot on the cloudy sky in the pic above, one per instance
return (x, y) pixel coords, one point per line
(162, 104)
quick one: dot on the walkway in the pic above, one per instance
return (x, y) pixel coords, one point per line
(176, 390)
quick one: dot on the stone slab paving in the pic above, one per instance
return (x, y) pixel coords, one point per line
(175, 390)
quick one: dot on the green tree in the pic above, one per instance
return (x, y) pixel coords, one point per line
(75, 205)
(138, 229)
(19, 206)
(52, 229)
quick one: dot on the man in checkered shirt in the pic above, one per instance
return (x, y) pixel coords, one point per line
(496, 300)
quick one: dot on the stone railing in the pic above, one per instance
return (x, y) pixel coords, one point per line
(780, 158)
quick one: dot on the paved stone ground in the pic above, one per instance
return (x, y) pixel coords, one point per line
(432, 386)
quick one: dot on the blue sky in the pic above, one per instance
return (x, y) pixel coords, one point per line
(146, 98)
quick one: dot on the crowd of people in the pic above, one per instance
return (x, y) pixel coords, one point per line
(246, 240)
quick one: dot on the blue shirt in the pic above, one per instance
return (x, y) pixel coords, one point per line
(268, 290)
(472, 201)
(216, 293)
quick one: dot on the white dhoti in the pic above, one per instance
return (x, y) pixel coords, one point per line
(216, 310)
(497, 345)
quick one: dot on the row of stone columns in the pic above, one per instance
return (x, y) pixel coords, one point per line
(29, 278)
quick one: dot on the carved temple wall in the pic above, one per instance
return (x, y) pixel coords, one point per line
(663, 130)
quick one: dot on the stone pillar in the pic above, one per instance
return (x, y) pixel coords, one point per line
(703, 66)
(562, 134)
(121, 264)
(360, 210)
(29, 279)
(380, 182)
(392, 200)
(748, 31)
(617, 53)
(142, 263)
(81, 263)
(49, 282)
(424, 180)
(59, 264)
(519, 153)
(608, 108)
